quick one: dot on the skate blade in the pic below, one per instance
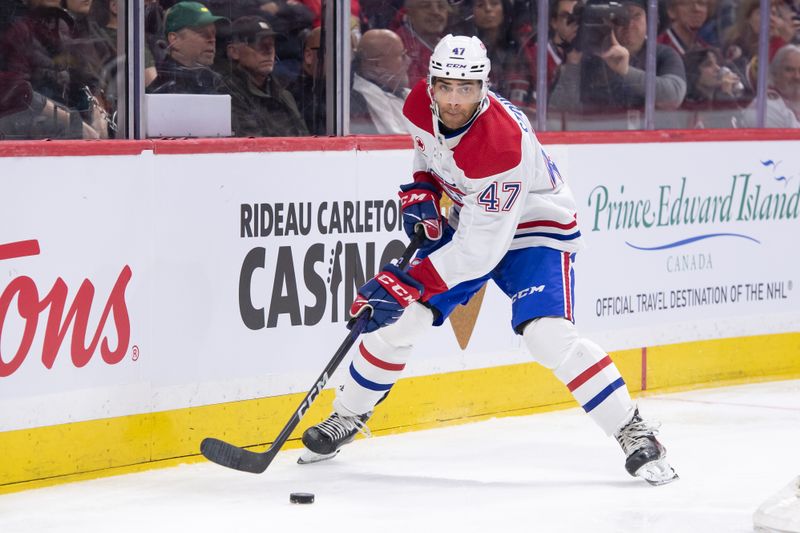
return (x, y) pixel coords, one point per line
(657, 473)
(310, 457)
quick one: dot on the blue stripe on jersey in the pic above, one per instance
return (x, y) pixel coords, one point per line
(557, 236)
(367, 384)
(603, 394)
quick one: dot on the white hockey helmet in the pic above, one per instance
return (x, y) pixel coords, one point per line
(461, 58)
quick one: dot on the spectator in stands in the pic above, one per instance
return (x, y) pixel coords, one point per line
(105, 13)
(612, 81)
(308, 89)
(560, 46)
(26, 114)
(191, 36)
(154, 30)
(315, 6)
(34, 47)
(686, 17)
(721, 16)
(260, 106)
(511, 72)
(422, 26)
(380, 84)
(741, 40)
(783, 94)
(712, 95)
(88, 52)
(378, 14)
(291, 21)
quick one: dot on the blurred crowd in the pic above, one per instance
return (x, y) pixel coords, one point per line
(61, 75)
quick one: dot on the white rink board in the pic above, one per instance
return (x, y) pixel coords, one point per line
(176, 222)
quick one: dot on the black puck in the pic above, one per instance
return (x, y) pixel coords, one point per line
(301, 497)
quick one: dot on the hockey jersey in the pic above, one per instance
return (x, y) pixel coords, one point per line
(507, 193)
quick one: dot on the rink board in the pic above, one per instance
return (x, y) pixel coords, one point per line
(171, 291)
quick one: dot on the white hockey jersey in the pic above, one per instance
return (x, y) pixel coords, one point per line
(507, 193)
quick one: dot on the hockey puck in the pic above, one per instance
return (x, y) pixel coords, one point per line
(301, 497)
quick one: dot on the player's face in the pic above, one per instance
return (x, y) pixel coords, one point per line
(457, 100)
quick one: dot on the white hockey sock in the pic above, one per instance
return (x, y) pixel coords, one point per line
(584, 367)
(596, 384)
(379, 362)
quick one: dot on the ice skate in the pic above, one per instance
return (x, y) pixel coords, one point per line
(324, 440)
(645, 457)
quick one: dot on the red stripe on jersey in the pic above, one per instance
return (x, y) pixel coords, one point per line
(567, 286)
(548, 224)
(589, 373)
(417, 107)
(493, 144)
(425, 273)
(374, 361)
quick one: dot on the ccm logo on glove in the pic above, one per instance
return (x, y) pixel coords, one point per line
(387, 295)
(415, 197)
(399, 290)
(420, 206)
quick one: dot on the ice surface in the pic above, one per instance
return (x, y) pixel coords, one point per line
(556, 472)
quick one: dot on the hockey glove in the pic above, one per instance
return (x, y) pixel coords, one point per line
(386, 296)
(420, 204)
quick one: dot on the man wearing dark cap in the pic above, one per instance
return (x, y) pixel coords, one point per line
(191, 34)
(610, 83)
(260, 107)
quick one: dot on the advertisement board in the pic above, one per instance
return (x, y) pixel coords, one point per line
(141, 283)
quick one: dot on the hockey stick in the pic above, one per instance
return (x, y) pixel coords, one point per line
(238, 458)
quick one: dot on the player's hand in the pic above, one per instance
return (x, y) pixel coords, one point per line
(385, 296)
(420, 204)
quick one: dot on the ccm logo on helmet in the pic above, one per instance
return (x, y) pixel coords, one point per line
(456, 65)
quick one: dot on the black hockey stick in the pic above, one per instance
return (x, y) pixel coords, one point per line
(227, 454)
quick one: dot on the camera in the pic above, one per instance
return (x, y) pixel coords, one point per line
(595, 22)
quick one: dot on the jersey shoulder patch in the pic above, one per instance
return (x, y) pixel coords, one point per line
(417, 107)
(492, 145)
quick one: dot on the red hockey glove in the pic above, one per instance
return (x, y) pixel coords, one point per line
(420, 204)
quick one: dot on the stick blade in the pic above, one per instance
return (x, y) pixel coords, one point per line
(234, 457)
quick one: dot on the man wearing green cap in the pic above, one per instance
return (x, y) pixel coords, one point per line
(192, 39)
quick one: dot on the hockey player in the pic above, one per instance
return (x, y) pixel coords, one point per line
(513, 221)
